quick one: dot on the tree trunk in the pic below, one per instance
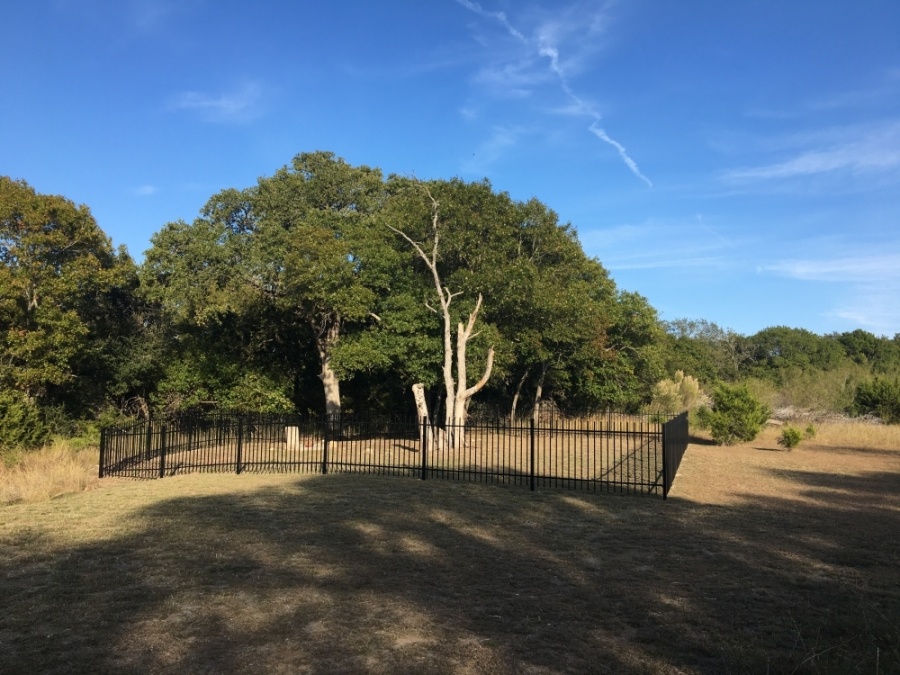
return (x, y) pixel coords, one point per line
(462, 395)
(539, 391)
(515, 400)
(325, 341)
(332, 387)
(418, 390)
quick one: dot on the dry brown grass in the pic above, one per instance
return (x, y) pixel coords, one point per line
(47, 473)
(856, 435)
(761, 561)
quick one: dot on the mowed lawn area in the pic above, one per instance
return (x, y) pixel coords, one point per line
(761, 561)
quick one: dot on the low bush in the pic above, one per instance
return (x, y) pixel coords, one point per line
(736, 415)
(790, 438)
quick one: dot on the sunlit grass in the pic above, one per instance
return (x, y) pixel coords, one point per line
(847, 434)
(854, 435)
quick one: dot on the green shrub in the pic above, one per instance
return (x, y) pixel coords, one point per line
(879, 397)
(21, 422)
(810, 432)
(736, 415)
(790, 438)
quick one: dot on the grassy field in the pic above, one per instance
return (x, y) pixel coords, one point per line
(761, 561)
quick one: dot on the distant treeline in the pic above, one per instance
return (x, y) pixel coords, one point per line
(328, 287)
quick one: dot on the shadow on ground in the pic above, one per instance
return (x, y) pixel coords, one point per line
(389, 575)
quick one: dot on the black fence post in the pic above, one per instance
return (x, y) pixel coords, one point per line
(240, 445)
(531, 462)
(325, 444)
(665, 456)
(162, 451)
(424, 448)
(149, 446)
(103, 441)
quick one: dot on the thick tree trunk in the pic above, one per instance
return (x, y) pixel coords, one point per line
(418, 390)
(332, 387)
(325, 341)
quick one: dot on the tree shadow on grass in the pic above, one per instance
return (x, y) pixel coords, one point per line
(389, 575)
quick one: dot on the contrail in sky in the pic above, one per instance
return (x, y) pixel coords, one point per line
(500, 16)
(552, 53)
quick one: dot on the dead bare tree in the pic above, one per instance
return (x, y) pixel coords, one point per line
(457, 391)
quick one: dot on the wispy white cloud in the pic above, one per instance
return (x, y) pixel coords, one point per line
(469, 113)
(871, 285)
(886, 88)
(862, 268)
(501, 141)
(241, 105)
(677, 244)
(873, 308)
(858, 149)
(145, 190)
(148, 15)
(499, 16)
(518, 72)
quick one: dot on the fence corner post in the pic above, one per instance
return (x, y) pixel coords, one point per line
(424, 448)
(531, 461)
(665, 464)
(102, 462)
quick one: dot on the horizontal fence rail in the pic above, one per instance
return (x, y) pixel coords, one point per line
(612, 453)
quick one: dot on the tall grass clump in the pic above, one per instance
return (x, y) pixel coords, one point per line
(859, 434)
(682, 392)
(53, 470)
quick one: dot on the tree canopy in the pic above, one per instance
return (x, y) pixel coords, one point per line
(64, 299)
(329, 287)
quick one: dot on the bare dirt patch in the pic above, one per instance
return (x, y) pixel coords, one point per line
(760, 561)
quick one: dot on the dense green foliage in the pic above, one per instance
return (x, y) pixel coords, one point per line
(791, 367)
(69, 325)
(306, 291)
(879, 397)
(736, 415)
(21, 422)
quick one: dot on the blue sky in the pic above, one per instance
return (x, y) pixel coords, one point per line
(732, 161)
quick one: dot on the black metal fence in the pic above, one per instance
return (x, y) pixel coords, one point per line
(613, 452)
